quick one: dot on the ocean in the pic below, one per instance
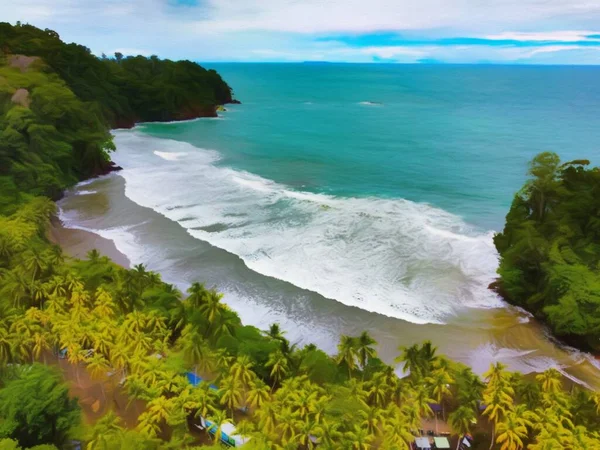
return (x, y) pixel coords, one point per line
(342, 197)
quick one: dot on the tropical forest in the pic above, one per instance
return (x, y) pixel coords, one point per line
(98, 356)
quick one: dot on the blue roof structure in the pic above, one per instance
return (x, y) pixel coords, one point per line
(195, 380)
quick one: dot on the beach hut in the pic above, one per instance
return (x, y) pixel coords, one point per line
(441, 442)
(228, 433)
(422, 443)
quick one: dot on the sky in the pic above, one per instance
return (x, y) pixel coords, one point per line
(392, 31)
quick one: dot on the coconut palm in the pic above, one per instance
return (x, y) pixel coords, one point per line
(329, 434)
(231, 393)
(397, 429)
(6, 343)
(288, 425)
(267, 418)
(101, 433)
(371, 419)
(550, 381)
(513, 429)
(196, 350)
(204, 398)
(279, 366)
(422, 401)
(275, 332)
(197, 295)
(241, 370)
(258, 394)
(98, 366)
(347, 354)
(440, 381)
(411, 358)
(307, 433)
(462, 420)
(359, 438)
(212, 308)
(498, 396)
(364, 348)
(378, 390)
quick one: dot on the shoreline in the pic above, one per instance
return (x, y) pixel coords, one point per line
(76, 243)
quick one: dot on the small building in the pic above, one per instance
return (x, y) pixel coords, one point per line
(228, 433)
(422, 443)
(441, 442)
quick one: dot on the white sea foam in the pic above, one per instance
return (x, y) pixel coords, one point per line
(370, 103)
(394, 257)
(170, 156)
(85, 192)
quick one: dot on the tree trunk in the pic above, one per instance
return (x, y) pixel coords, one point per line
(458, 443)
(492, 443)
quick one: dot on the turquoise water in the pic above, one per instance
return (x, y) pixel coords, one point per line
(457, 137)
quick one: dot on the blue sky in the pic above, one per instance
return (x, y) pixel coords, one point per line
(406, 31)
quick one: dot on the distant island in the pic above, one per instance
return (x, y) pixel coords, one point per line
(98, 356)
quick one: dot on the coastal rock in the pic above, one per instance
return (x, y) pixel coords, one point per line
(234, 102)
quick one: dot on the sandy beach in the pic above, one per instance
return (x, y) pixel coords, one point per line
(77, 243)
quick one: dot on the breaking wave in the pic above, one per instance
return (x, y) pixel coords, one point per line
(390, 256)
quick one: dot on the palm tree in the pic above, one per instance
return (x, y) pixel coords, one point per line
(6, 343)
(510, 433)
(267, 418)
(218, 418)
(241, 370)
(231, 393)
(204, 399)
(371, 419)
(462, 420)
(422, 401)
(275, 332)
(347, 353)
(328, 434)
(440, 381)
(212, 308)
(364, 348)
(97, 366)
(288, 424)
(93, 256)
(359, 438)
(379, 390)
(198, 294)
(410, 357)
(307, 432)
(498, 396)
(550, 381)
(107, 426)
(397, 428)
(279, 367)
(259, 394)
(196, 350)
(304, 402)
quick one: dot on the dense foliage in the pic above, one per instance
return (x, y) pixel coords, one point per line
(36, 408)
(127, 90)
(550, 248)
(49, 139)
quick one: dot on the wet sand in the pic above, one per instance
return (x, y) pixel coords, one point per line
(77, 243)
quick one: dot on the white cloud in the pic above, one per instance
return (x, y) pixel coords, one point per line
(270, 30)
(563, 36)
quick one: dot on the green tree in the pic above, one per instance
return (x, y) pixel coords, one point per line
(36, 408)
